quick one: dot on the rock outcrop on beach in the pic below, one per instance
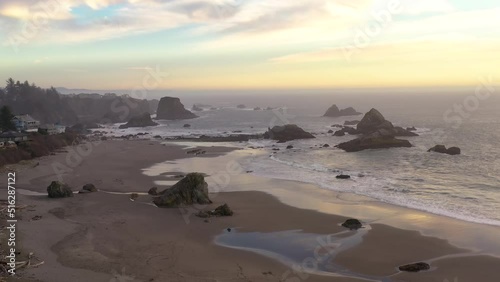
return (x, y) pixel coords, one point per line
(372, 142)
(374, 122)
(153, 191)
(241, 106)
(88, 188)
(192, 189)
(442, 149)
(143, 120)
(222, 210)
(334, 111)
(415, 267)
(171, 108)
(352, 224)
(58, 189)
(287, 133)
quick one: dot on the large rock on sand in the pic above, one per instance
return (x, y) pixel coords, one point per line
(171, 108)
(58, 189)
(287, 132)
(143, 120)
(415, 267)
(88, 188)
(334, 111)
(352, 224)
(192, 189)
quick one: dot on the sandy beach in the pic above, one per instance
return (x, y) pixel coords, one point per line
(105, 236)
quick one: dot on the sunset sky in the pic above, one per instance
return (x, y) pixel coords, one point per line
(248, 44)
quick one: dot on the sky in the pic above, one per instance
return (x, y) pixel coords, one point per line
(249, 44)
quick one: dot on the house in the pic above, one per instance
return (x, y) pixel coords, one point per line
(26, 123)
(52, 129)
(13, 136)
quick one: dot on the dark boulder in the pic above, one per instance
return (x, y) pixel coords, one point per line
(352, 224)
(454, 151)
(343, 176)
(339, 133)
(223, 210)
(411, 128)
(153, 191)
(289, 147)
(241, 106)
(326, 146)
(187, 125)
(438, 149)
(330, 131)
(58, 189)
(286, 133)
(134, 196)
(257, 109)
(143, 120)
(334, 111)
(370, 142)
(415, 267)
(88, 188)
(171, 108)
(442, 149)
(192, 189)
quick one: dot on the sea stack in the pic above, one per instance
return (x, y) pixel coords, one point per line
(334, 111)
(171, 108)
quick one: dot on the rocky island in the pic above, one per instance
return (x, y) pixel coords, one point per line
(334, 111)
(377, 133)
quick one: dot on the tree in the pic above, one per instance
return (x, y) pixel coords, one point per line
(11, 86)
(6, 116)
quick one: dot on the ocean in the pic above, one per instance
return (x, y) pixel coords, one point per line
(465, 187)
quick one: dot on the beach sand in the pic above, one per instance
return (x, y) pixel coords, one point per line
(107, 237)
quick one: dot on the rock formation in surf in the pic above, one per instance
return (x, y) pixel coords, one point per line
(442, 149)
(171, 108)
(143, 120)
(287, 133)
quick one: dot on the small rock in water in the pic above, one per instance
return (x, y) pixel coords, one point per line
(134, 196)
(289, 147)
(228, 230)
(415, 267)
(352, 224)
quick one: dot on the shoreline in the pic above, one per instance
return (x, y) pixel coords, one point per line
(98, 223)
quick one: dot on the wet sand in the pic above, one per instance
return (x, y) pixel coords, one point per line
(101, 236)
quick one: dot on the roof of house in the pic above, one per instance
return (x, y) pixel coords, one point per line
(25, 118)
(48, 126)
(12, 134)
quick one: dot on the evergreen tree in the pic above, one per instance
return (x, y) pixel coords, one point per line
(6, 119)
